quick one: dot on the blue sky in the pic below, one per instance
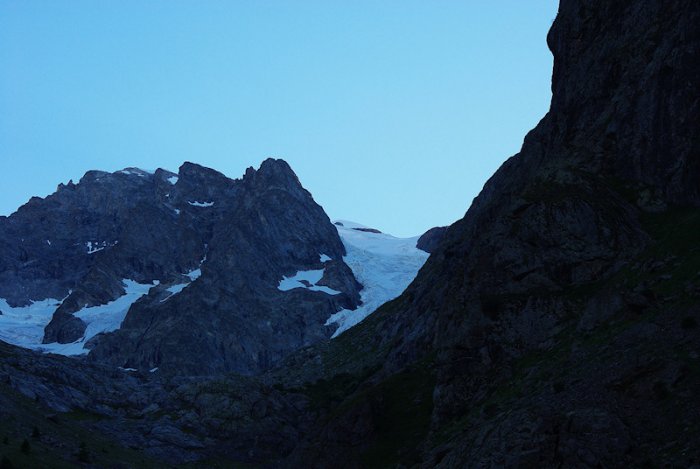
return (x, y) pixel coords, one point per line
(393, 113)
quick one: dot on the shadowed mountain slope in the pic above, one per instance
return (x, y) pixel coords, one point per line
(555, 325)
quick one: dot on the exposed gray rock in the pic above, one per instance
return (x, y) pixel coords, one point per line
(245, 235)
(367, 230)
(429, 240)
(234, 318)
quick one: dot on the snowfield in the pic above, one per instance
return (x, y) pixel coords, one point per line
(24, 326)
(383, 264)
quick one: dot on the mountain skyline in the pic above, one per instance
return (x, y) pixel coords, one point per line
(113, 267)
(364, 100)
(555, 324)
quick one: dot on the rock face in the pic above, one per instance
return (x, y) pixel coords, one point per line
(244, 236)
(429, 240)
(235, 318)
(551, 315)
(617, 144)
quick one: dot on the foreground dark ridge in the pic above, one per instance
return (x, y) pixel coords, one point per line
(556, 325)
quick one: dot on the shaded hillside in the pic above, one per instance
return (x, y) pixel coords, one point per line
(558, 319)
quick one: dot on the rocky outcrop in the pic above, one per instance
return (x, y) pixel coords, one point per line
(429, 240)
(366, 230)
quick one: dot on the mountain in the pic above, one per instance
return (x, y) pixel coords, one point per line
(555, 325)
(191, 272)
(193, 264)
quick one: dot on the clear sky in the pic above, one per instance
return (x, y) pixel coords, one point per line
(393, 113)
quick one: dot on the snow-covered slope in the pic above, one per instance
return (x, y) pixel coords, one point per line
(382, 263)
(24, 326)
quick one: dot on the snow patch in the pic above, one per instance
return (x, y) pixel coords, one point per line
(24, 326)
(196, 273)
(201, 204)
(98, 246)
(102, 318)
(192, 274)
(383, 264)
(306, 279)
(136, 172)
(175, 289)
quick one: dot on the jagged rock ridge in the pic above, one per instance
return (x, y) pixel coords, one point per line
(244, 236)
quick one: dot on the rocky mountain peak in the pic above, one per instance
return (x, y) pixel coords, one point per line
(191, 238)
(273, 174)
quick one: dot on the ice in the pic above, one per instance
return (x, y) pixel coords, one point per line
(175, 289)
(201, 204)
(98, 246)
(24, 325)
(196, 273)
(306, 279)
(192, 274)
(95, 249)
(383, 264)
(102, 318)
(136, 172)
